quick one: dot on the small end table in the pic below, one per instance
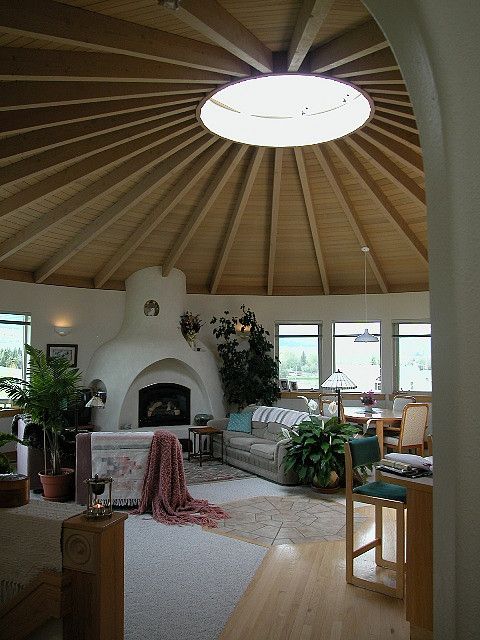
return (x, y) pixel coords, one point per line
(199, 432)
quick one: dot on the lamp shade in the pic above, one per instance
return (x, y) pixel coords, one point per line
(95, 401)
(366, 337)
(338, 380)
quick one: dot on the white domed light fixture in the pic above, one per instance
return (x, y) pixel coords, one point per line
(285, 110)
(365, 336)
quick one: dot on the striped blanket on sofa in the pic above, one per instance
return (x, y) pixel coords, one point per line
(287, 417)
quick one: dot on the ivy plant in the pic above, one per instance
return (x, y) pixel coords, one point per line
(248, 370)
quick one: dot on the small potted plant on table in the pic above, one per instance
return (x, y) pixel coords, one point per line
(368, 399)
(52, 385)
(316, 452)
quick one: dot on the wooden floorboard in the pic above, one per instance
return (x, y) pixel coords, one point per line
(299, 593)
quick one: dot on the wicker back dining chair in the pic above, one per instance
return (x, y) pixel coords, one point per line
(412, 429)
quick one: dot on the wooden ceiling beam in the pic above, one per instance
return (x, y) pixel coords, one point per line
(377, 195)
(390, 99)
(75, 151)
(102, 160)
(209, 18)
(277, 183)
(161, 209)
(57, 22)
(408, 156)
(197, 216)
(357, 43)
(236, 217)
(378, 62)
(67, 66)
(398, 121)
(348, 208)
(387, 89)
(310, 18)
(388, 168)
(173, 160)
(36, 95)
(394, 109)
(102, 187)
(38, 141)
(307, 198)
(383, 78)
(392, 131)
(31, 119)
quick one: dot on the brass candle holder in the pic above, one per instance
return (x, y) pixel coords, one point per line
(99, 502)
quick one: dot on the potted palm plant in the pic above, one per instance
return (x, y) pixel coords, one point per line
(316, 451)
(50, 387)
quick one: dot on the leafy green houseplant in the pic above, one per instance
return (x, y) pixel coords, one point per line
(5, 438)
(248, 371)
(51, 385)
(316, 450)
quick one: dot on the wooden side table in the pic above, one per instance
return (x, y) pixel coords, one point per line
(199, 432)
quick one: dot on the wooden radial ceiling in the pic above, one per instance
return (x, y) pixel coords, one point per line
(104, 168)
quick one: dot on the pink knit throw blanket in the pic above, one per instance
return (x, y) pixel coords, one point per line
(165, 491)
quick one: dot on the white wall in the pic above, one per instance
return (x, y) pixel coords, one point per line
(325, 309)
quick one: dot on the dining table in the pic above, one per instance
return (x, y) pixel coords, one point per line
(381, 418)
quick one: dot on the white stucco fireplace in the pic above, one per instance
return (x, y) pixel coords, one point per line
(150, 350)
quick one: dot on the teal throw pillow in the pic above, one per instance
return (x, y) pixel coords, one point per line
(240, 422)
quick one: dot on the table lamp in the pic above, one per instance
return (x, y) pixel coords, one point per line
(338, 381)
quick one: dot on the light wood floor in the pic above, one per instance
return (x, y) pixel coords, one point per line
(299, 593)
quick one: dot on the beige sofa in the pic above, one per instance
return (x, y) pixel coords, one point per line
(261, 452)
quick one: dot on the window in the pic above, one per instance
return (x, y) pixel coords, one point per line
(14, 333)
(298, 348)
(360, 361)
(412, 356)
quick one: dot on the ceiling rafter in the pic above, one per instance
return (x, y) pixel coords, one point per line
(236, 216)
(382, 79)
(394, 109)
(201, 210)
(91, 194)
(307, 198)
(390, 89)
(388, 168)
(310, 18)
(399, 151)
(275, 208)
(65, 24)
(36, 95)
(378, 62)
(356, 43)
(50, 64)
(399, 121)
(213, 21)
(371, 187)
(349, 210)
(162, 208)
(102, 160)
(392, 131)
(390, 99)
(75, 151)
(37, 142)
(173, 159)
(25, 120)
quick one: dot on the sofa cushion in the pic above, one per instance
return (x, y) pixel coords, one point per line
(266, 451)
(244, 443)
(273, 432)
(240, 422)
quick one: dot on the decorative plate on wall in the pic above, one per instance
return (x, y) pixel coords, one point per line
(151, 308)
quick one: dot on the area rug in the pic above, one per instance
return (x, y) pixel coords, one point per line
(211, 471)
(274, 520)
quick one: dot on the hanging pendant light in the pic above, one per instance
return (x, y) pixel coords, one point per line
(365, 336)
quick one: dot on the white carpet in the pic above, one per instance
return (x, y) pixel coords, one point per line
(182, 582)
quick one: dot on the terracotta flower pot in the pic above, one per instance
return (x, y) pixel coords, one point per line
(58, 488)
(333, 486)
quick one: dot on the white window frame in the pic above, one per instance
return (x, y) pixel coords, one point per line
(24, 319)
(396, 360)
(353, 336)
(319, 344)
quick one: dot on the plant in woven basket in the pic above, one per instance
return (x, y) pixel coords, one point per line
(249, 370)
(316, 450)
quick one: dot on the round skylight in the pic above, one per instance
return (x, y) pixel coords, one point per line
(285, 110)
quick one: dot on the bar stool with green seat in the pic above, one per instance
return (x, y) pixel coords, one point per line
(366, 451)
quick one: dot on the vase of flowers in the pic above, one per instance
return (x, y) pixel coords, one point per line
(190, 325)
(368, 399)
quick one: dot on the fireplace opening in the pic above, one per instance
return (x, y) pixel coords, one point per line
(163, 404)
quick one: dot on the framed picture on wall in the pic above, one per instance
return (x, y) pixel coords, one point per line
(68, 351)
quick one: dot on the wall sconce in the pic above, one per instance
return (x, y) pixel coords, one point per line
(62, 331)
(242, 330)
(95, 401)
